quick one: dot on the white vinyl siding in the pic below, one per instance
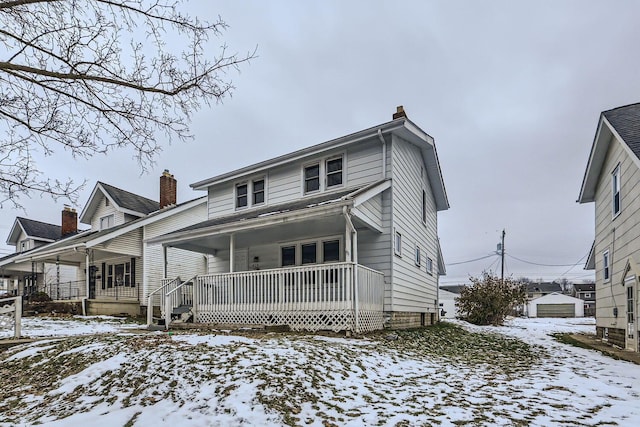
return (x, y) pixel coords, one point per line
(371, 211)
(361, 165)
(620, 235)
(181, 263)
(129, 244)
(413, 289)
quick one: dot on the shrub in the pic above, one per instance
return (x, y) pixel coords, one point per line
(488, 300)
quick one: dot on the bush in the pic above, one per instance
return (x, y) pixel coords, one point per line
(39, 297)
(488, 300)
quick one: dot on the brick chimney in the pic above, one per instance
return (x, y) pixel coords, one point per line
(69, 222)
(168, 189)
(399, 113)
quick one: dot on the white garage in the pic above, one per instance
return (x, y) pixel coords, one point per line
(448, 308)
(556, 305)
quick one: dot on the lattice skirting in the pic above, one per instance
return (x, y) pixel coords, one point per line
(338, 320)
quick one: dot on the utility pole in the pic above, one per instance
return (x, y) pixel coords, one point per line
(502, 256)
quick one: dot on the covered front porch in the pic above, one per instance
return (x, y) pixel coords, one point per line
(296, 267)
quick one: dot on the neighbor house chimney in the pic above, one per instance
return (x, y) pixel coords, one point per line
(168, 189)
(399, 113)
(69, 222)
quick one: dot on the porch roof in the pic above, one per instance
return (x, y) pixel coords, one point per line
(275, 214)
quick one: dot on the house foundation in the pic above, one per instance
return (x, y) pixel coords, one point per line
(614, 336)
(113, 308)
(408, 320)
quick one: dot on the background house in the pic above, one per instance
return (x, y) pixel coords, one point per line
(539, 289)
(587, 293)
(611, 183)
(555, 305)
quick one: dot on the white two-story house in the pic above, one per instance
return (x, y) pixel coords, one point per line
(611, 183)
(341, 235)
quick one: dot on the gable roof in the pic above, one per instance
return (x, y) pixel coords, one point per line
(37, 230)
(623, 123)
(584, 287)
(544, 287)
(124, 201)
(402, 127)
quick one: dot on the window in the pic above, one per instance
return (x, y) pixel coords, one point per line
(429, 265)
(424, 206)
(309, 253)
(106, 201)
(106, 222)
(257, 187)
(418, 256)
(605, 265)
(24, 245)
(241, 195)
(331, 251)
(119, 275)
(615, 189)
(397, 243)
(288, 254)
(312, 178)
(334, 172)
(630, 311)
(587, 295)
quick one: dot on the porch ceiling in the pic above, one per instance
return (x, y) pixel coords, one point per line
(277, 233)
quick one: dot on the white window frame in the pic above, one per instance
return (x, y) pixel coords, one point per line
(264, 191)
(418, 256)
(304, 177)
(606, 267)
(397, 242)
(429, 265)
(110, 219)
(247, 194)
(250, 192)
(326, 171)
(24, 245)
(615, 191)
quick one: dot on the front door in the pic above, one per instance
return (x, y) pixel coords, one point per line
(241, 260)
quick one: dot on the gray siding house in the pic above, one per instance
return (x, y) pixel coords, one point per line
(116, 268)
(341, 235)
(611, 183)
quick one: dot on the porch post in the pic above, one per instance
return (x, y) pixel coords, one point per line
(164, 261)
(86, 271)
(347, 243)
(232, 244)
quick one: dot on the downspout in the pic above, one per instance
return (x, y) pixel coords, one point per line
(354, 261)
(384, 154)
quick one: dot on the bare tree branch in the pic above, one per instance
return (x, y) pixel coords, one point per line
(95, 75)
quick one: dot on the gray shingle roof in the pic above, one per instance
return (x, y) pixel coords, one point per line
(544, 287)
(626, 121)
(584, 287)
(40, 229)
(128, 200)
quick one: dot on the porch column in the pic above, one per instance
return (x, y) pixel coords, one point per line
(86, 270)
(232, 244)
(347, 242)
(164, 262)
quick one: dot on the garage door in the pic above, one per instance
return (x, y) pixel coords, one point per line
(556, 310)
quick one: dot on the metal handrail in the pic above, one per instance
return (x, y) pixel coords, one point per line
(168, 306)
(151, 295)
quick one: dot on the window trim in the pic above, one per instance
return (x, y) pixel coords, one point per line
(319, 242)
(246, 195)
(418, 256)
(616, 189)
(606, 266)
(113, 219)
(264, 191)
(397, 242)
(304, 177)
(249, 182)
(430, 266)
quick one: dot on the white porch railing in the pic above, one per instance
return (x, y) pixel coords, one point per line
(181, 295)
(340, 296)
(11, 314)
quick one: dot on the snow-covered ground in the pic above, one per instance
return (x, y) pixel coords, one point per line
(512, 375)
(38, 327)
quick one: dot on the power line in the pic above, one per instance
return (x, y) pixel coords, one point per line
(543, 265)
(471, 260)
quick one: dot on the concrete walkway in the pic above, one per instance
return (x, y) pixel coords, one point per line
(593, 342)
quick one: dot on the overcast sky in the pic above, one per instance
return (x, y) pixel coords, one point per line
(511, 92)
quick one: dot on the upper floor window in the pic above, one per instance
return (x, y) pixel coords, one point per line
(24, 245)
(258, 191)
(241, 195)
(312, 178)
(334, 172)
(106, 222)
(418, 259)
(615, 190)
(605, 265)
(429, 265)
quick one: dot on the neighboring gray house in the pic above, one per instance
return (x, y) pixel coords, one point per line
(587, 293)
(116, 268)
(340, 235)
(540, 289)
(611, 183)
(25, 278)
